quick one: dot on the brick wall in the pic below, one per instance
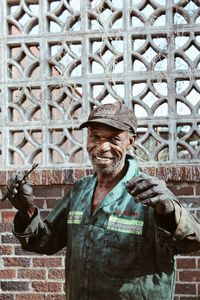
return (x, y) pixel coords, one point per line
(25, 276)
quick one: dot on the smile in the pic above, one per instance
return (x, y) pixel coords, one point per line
(102, 159)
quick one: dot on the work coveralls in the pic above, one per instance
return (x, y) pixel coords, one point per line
(116, 252)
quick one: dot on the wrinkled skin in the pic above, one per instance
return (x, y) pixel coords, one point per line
(107, 147)
(20, 193)
(151, 191)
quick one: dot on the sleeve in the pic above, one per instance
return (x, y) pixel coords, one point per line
(185, 238)
(44, 237)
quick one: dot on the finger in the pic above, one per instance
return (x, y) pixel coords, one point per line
(19, 177)
(141, 177)
(137, 179)
(148, 185)
(5, 192)
(13, 177)
(25, 181)
(149, 193)
(135, 183)
(151, 201)
(144, 182)
(12, 182)
(12, 188)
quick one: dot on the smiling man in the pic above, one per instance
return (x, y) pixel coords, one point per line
(121, 228)
(107, 147)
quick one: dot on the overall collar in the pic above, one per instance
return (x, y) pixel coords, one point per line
(118, 190)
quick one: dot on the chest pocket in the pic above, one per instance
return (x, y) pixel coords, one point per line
(123, 244)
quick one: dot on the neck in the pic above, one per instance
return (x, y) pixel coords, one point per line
(109, 181)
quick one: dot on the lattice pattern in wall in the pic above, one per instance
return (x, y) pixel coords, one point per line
(59, 58)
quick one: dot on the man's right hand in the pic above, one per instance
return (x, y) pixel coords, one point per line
(20, 193)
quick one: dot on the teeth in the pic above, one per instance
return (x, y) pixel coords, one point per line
(102, 158)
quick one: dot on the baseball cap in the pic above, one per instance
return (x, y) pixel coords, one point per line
(115, 114)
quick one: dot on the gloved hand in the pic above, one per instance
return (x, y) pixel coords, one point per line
(151, 191)
(20, 193)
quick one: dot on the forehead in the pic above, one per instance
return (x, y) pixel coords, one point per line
(103, 128)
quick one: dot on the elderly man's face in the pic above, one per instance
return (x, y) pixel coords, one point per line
(107, 147)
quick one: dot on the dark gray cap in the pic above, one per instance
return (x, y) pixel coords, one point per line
(115, 114)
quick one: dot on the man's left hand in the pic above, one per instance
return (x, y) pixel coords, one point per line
(151, 191)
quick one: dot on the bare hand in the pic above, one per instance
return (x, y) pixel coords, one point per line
(151, 191)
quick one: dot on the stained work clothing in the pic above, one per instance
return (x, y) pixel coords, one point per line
(118, 251)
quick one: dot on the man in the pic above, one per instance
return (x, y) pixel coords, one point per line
(121, 228)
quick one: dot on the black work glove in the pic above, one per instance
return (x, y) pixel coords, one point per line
(151, 191)
(20, 193)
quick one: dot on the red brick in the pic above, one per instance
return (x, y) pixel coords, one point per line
(79, 173)
(177, 173)
(56, 274)
(188, 297)
(3, 177)
(47, 262)
(51, 177)
(186, 263)
(199, 261)
(20, 251)
(35, 177)
(16, 262)
(32, 273)
(5, 227)
(7, 297)
(30, 297)
(182, 190)
(9, 239)
(53, 267)
(44, 213)
(89, 171)
(14, 286)
(51, 202)
(55, 297)
(43, 286)
(6, 204)
(6, 250)
(40, 203)
(189, 276)
(57, 176)
(66, 188)
(8, 216)
(51, 191)
(7, 273)
(189, 289)
(198, 190)
(69, 176)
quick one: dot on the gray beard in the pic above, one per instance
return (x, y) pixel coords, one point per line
(109, 170)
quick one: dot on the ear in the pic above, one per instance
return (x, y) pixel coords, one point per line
(132, 137)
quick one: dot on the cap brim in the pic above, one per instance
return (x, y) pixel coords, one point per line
(109, 122)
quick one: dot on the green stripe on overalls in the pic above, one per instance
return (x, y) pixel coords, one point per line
(74, 217)
(124, 225)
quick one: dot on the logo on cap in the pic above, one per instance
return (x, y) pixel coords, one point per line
(106, 110)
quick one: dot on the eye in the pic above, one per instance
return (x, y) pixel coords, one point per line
(93, 136)
(116, 139)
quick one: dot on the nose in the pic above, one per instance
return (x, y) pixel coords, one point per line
(104, 146)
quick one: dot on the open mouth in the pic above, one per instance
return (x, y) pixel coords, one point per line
(101, 159)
